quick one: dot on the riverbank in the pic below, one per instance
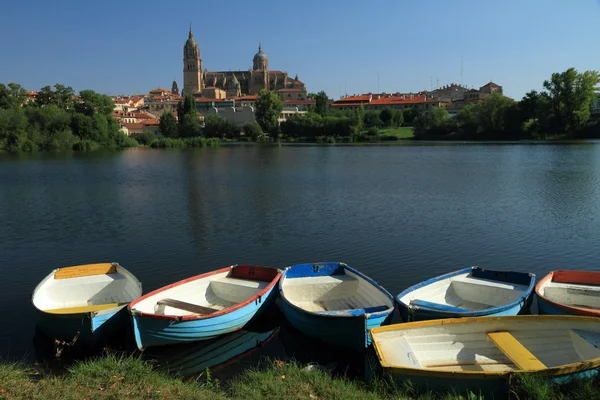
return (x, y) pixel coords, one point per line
(115, 377)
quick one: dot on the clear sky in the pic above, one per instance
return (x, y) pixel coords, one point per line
(340, 46)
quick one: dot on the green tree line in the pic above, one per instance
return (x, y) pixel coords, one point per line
(562, 109)
(57, 120)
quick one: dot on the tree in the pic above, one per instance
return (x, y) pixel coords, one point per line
(90, 103)
(145, 138)
(372, 120)
(493, 115)
(168, 125)
(397, 118)
(189, 123)
(13, 124)
(268, 107)
(61, 96)
(215, 126)
(410, 114)
(387, 117)
(252, 130)
(322, 103)
(435, 123)
(12, 96)
(571, 94)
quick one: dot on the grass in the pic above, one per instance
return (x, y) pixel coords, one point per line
(403, 132)
(116, 377)
(169, 143)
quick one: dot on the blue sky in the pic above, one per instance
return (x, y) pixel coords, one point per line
(340, 46)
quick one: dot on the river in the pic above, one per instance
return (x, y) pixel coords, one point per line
(399, 213)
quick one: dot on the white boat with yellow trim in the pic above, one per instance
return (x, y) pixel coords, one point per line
(88, 301)
(482, 353)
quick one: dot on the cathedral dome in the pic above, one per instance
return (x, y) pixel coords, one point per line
(260, 56)
(260, 60)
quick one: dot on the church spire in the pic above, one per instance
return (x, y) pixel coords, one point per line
(191, 35)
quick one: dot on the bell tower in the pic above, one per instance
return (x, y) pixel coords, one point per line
(192, 66)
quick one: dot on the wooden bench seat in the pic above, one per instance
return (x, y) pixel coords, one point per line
(83, 309)
(182, 305)
(515, 351)
(85, 270)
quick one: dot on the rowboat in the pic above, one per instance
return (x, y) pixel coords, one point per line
(334, 303)
(88, 301)
(484, 353)
(570, 293)
(194, 358)
(204, 306)
(469, 292)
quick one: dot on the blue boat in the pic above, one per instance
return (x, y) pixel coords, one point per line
(204, 306)
(469, 292)
(85, 303)
(334, 303)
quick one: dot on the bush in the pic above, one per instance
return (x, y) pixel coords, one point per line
(330, 139)
(372, 131)
(167, 143)
(145, 138)
(252, 130)
(28, 146)
(202, 142)
(85, 145)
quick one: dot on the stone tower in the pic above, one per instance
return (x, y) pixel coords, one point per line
(260, 72)
(175, 88)
(192, 67)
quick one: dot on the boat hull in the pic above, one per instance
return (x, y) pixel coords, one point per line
(149, 331)
(485, 354)
(348, 328)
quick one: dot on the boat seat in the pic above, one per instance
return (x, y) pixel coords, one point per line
(85, 270)
(515, 351)
(572, 288)
(437, 306)
(314, 280)
(182, 305)
(235, 289)
(469, 280)
(83, 309)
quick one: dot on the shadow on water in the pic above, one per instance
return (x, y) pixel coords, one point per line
(264, 340)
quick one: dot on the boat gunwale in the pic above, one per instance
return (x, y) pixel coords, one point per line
(194, 317)
(565, 369)
(471, 313)
(350, 313)
(579, 311)
(119, 270)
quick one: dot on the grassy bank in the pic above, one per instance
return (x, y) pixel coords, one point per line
(115, 377)
(403, 132)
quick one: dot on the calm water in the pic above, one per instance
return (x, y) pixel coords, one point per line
(399, 213)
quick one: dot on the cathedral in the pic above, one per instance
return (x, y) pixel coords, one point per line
(226, 84)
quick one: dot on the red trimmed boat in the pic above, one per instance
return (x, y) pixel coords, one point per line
(204, 306)
(569, 293)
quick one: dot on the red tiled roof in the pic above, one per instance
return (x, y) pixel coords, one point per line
(491, 84)
(364, 97)
(205, 100)
(249, 97)
(151, 122)
(133, 125)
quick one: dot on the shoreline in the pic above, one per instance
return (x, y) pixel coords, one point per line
(114, 377)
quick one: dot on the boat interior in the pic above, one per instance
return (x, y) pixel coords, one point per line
(86, 288)
(202, 296)
(335, 293)
(572, 294)
(464, 292)
(484, 348)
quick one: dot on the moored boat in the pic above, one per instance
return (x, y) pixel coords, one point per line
(85, 301)
(334, 303)
(204, 306)
(483, 353)
(469, 292)
(569, 293)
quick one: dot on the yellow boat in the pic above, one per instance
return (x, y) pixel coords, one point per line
(483, 353)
